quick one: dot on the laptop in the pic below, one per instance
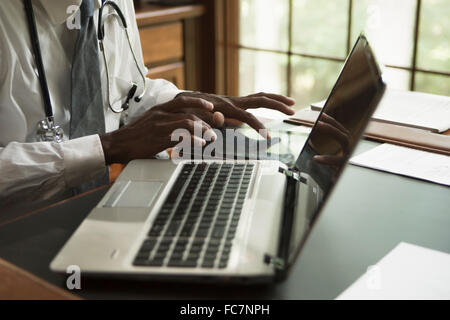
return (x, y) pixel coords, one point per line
(226, 220)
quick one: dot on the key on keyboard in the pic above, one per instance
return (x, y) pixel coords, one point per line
(197, 224)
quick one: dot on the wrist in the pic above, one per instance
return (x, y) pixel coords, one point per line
(109, 149)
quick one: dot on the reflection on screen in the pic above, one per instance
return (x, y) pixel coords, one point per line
(335, 135)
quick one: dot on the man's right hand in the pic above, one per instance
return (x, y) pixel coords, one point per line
(152, 133)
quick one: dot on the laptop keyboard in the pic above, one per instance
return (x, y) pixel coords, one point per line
(197, 224)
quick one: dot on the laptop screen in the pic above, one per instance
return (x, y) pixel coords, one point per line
(334, 137)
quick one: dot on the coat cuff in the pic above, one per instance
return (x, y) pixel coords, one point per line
(84, 160)
(167, 96)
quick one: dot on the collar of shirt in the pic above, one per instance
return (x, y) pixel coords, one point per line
(60, 11)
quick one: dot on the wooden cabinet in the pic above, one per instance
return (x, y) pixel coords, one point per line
(174, 72)
(166, 37)
(162, 43)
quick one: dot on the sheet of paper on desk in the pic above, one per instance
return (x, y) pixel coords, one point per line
(408, 272)
(408, 162)
(413, 109)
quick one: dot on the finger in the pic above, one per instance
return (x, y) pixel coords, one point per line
(184, 102)
(265, 102)
(341, 137)
(188, 121)
(233, 123)
(194, 140)
(218, 120)
(326, 118)
(206, 116)
(197, 128)
(252, 121)
(170, 117)
(329, 160)
(286, 100)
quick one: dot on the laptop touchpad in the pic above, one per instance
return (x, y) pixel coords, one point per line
(133, 194)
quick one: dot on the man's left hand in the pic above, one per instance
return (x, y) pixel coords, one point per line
(236, 108)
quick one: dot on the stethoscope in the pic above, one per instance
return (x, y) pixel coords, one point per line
(101, 37)
(47, 130)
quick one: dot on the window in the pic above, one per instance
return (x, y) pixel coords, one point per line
(297, 47)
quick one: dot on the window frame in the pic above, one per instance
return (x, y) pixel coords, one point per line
(234, 46)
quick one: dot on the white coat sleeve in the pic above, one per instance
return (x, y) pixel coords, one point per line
(39, 171)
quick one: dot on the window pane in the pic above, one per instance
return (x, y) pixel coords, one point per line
(389, 25)
(434, 40)
(262, 71)
(431, 83)
(397, 79)
(320, 27)
(313, 79)
(264, 24)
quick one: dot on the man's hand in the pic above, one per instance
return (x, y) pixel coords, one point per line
(152, 133)
(235, 108)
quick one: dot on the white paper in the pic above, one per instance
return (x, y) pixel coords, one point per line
(405, 161)
(414, 109)
(408, 272)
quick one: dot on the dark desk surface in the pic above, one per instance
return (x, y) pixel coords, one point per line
(368, 214)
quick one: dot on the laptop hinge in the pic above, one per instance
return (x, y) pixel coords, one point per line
(278, 263)
(281, 260)
(292, 174)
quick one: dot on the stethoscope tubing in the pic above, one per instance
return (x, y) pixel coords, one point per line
(101, 37)
(38, 58)
(35, 43)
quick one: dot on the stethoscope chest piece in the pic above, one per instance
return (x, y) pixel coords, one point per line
(48, 131)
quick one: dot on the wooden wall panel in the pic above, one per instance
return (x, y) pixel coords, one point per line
(162, 43)
(172, 72)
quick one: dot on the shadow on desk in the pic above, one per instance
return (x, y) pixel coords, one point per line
(31, 242)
